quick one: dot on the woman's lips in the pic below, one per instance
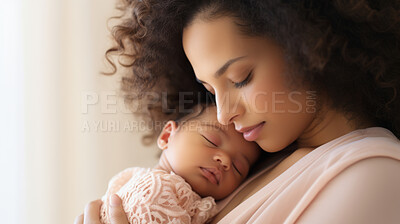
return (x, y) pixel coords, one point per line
(252, 133)
(212, 174)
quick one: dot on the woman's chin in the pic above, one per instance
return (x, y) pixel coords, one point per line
(269, 146)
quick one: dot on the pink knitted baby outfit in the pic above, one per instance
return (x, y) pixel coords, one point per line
(156, 196)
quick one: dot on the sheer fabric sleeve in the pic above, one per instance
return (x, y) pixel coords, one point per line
(154, 196)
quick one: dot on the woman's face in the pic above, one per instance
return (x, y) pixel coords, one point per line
(246, 75)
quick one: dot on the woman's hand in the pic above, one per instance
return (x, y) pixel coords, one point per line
(92, 212)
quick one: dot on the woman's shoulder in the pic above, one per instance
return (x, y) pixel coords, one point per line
(374, 136)
(350, 157)
(353, 155)
(357, 173)
(369, 187)
(358, 145)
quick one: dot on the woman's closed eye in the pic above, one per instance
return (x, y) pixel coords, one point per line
(245, 81)
(236, 84)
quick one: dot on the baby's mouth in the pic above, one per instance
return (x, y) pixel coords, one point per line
(212, 174)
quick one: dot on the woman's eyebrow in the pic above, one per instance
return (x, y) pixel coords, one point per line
(223, 68)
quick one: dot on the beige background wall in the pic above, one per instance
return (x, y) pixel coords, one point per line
(54, 159)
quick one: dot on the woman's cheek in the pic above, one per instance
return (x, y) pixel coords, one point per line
(259, 100)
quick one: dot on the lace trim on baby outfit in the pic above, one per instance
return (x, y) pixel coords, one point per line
(155, 196)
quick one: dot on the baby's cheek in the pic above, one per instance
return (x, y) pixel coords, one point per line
(230, 184)
(244, 169)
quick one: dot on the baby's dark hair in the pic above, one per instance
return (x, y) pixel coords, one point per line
(194, 113)
(185, 111)
(348, 51)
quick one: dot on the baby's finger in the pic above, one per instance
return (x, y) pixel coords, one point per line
(92, 212)
(117, 212)
(79, 219)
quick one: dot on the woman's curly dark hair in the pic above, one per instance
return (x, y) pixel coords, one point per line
(346, 50)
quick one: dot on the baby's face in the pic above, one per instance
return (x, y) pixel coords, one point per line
(212, 158)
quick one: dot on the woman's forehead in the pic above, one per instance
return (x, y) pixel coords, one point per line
(210, 45)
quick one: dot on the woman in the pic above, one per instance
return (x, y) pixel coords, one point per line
(323, 76)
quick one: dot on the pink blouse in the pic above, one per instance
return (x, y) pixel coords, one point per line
(352, 179)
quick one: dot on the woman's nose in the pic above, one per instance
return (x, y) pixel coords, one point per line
(228, 107)
(224, 160)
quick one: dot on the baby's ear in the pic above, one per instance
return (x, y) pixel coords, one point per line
(163, 139)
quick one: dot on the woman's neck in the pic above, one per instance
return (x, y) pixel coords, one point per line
(328, 126)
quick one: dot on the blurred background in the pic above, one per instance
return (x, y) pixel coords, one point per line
(64, 129)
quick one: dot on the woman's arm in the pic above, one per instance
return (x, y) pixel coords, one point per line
(92, 212)
(367, 192)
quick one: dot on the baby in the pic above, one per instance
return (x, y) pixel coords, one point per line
(201, 161)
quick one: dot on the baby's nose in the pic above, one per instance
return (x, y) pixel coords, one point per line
(224, 160)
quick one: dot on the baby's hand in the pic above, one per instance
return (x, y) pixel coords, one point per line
(91, 214)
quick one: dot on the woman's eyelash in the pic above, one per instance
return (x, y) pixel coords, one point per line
(244, 82)
(209, 141)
